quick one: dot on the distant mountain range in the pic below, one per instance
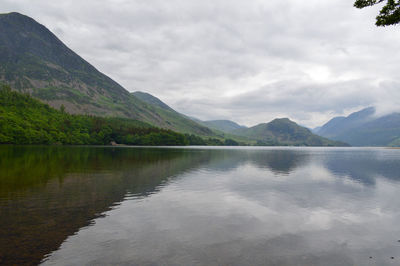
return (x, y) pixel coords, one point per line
(281, 131)
(33, 60)
(364, 128)
(277, 132)
(285, 131)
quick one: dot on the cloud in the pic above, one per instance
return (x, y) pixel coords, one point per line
(241, 60)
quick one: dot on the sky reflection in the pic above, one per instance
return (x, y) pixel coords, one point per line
(256, 207)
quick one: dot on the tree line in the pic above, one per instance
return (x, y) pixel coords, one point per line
(25, 120)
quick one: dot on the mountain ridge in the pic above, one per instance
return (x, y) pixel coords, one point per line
(33, 60)
(222, 125)
(364, 128)
(341, 123)
(286, 132)
(151, 99)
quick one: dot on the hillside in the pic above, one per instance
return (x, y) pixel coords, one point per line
(284, 132)
(33, 60)
(340, 124)
(150, 99)
(364, 129)
(170, 117)
(25, 120)
(226, 126)
(277, 132)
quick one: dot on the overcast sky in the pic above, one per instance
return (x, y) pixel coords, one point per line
(248, 61)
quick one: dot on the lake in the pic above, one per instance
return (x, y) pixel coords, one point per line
(199, 206)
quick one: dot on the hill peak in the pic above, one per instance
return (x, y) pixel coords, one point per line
(363, 113)
(284, 120)
(364, 128)
(13, 14)
(283, 131)
(17, 17)
(344, 123)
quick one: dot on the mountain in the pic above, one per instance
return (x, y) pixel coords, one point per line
(284, 132)
(150, 99)
(25, 120)
(278, 132)
(364, 128)
(315, 130)
(181, 122)
(341, 123)
(33, 60)
(330, 125)
(226, 126)
(222, 125)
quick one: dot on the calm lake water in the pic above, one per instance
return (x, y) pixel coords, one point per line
(199, 206)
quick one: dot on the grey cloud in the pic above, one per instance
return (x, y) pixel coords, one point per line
(293, 99)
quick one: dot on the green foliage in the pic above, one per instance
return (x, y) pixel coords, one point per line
(389, 14)
(266, 143)
(24, 120)
(231, 142)
(395, 143)
(195, 140)
(214, 142)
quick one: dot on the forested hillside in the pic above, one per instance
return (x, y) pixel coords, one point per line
(25, 120)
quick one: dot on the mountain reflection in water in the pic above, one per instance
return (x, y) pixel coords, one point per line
(205, 206)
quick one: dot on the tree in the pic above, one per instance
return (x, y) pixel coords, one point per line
(62, 108)
(231, 142)
(389, 14)
(6, 87)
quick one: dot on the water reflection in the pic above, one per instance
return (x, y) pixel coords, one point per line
(280, 161)
(273, 206)
(365, 165)
(48, 193)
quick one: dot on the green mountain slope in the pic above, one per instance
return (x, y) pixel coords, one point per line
(285, 132)
(222, 125)
(150, 99)
(35, 61)
(363, 128)
(25, 120)
(171, 118)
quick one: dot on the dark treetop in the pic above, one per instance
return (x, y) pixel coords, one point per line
(389, 14)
